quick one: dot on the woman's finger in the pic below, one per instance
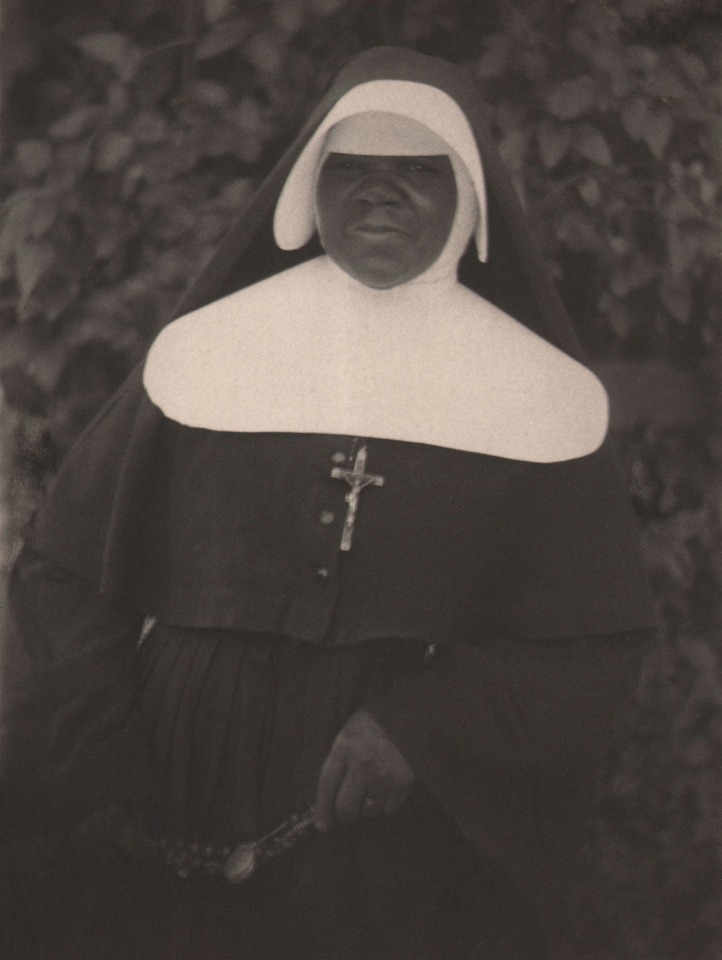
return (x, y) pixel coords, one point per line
(329, 781)
(351, 794)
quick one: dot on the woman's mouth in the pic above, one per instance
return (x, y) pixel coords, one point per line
(379, 228)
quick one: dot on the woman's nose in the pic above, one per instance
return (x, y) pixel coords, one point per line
(380, 190)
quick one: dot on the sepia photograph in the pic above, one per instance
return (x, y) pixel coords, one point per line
(360, 480)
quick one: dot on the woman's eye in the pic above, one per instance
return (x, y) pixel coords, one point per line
(343, 164)
(417, 167)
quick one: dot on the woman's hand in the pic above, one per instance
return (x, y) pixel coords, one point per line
(364, 774)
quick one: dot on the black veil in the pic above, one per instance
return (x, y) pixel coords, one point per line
(514, 278)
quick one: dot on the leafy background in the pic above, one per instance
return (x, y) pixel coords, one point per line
(134, 132)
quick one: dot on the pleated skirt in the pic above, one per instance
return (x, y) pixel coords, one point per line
(241, 725)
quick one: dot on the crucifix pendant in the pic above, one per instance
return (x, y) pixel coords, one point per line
(357, 479)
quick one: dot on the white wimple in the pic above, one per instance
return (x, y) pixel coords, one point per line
(311, 350)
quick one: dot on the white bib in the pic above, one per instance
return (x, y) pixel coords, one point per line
(311, 350)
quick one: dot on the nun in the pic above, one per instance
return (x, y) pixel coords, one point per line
(340, 597)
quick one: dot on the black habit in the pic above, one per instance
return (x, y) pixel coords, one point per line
(525, 577)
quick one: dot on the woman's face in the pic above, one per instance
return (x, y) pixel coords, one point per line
(385, 220)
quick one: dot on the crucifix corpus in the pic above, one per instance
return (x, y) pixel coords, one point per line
(357, 479)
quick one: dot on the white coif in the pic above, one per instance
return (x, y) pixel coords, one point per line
(295, 221)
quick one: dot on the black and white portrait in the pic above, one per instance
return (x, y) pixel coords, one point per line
(362, 575)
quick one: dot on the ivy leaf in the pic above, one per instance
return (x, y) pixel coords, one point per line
(44, 216)
(265, 51)
(219, 141)
(613, 66)
(74, 124)
(632, 275)
(46, 366)
(235, 193)
(173, 223)
(18, 345)
(57, 287)
(117, 100)
(110, 48)
(21, 392)
(33, 157)
(157, 75)
(73, 160)
(663, 84)
(589, 192)
(591, 144)
(668, 560)
(107, 227)
(288, 14)
(33, 260)
(692, 64)
(494, 59)
(641, 58)
(679, 208)
(512, 148)
(617, 313)
(150, 127)
(519, 184)
(112, 150)
(113, 49)
(580, 40)
(577, 231)
(572, 98)
(209, 227)
(707, 191)
(633, 116)
(248, 116)
(248, 148)
(325, 8)
(657, 132)
(216, 10)
(18, 213)
(533, 65)
(710, 244)
(683, 247)
(206, 93)
(553, 139)
(510, 115)
(643, 123)
(224, 37)
(677, 299)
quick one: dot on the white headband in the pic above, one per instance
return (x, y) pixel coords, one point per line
(383, 134)
(443, 129)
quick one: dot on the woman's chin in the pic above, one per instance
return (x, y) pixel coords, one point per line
(381, 274)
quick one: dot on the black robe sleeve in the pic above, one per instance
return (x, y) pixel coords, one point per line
(511, 739)
(74, 741)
